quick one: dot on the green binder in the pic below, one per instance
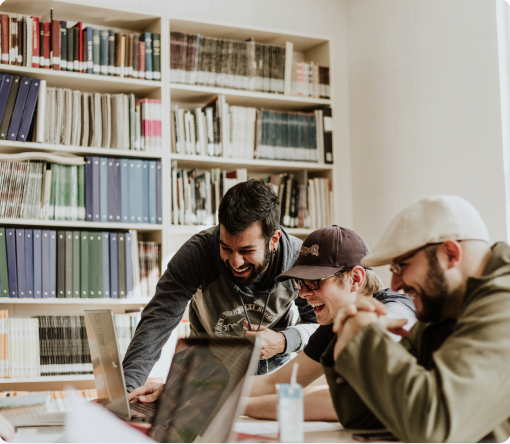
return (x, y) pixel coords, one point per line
(84, 264)
(76, 264)
(96, 264)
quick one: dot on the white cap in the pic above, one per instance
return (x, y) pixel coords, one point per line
(430, 220)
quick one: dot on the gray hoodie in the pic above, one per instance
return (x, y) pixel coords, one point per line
(197, 273)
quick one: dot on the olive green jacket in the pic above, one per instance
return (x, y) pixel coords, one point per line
(446, 382)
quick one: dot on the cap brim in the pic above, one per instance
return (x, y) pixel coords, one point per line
(375, 260)
(309, 272)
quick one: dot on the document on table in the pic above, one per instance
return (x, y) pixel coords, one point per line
(271, 427)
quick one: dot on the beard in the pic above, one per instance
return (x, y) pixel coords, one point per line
(434, 293)
(258, 269)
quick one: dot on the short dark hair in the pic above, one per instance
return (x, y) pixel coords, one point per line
(247, 203)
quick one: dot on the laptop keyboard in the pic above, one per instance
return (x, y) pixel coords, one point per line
(148, 408)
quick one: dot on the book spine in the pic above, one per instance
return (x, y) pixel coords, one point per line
(76, 264)
(156, 56)
(159, 200)
(106, 263)
(61, 263)
(19, 106)
(45, 263)
(35, 42)
(103, 189)
(152, 185)
(63, 45)
(70, 49)
(141, 59)
(89, 60)
(4, 35)
(4, 275)
(28, 112)
(11, 100)
(121, 257)
(20, 262)
(69, 265)
(111, 53)
(114, 266)
(84, 264)
(88, 189)
(95, 264)
(147, 37)
(37, 263)
(103, 52)
(95, 190)
(129, 266)
(29, 263)
(46, 39)
(53, 263)
(96, 52)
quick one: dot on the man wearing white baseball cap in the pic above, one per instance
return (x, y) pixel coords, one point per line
(448, 380)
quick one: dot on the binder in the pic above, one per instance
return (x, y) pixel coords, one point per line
(45, 264)
(146, 196)
(37, 237)
(12, 271)
(4, 275)
(53, 263)
(129, 266)
(159, 201)
(135, 191)
(69, 265)
(84, 264)
(106, 264)
(11, 99)
(114, 266)
(121, 257)
(61, 264)
(95, 189)
(29, 263)
(19, 106)
(88, 189)
(76, 264)
(95, 264)
(20, 262)
(5, 87)
(103, 52)
(124, 189)
(152, 191)
(28, 113)
(104, 190)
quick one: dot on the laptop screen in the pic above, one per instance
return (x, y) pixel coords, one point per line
(200, 398)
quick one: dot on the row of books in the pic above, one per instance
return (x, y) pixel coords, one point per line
(37, 263)
(149, 259)
(102, 190)
(59, 400)
(196, 197)
(76, 118)
(250, 133)
(28, 41)
(125, 326)
(196, 59)
(310, 80)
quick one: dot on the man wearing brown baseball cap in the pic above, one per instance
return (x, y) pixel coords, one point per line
(329, 275)
(448, 380)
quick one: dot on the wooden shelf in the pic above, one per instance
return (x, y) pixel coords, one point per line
(270, 166)
(58, 378)
(9, 146)
(194, 95)
(75, 301)
(107, 226)
(87, 82)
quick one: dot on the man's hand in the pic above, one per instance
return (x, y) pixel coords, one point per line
(354, 317)
(147, 393)
(273, 344)
(7, 431)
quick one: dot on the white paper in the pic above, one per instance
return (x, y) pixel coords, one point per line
(271, 427)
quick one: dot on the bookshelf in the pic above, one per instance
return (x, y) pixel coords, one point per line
(170, 236)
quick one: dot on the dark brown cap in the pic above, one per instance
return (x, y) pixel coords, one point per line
(326, 251)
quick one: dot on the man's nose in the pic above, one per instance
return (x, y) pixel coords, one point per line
(396, 282)
(305, 292)
(236, 260)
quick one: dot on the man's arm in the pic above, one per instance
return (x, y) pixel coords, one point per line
(164, 312)
(463, 399)
(297, 336)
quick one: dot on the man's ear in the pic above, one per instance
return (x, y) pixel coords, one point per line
(451, 252)
(273, 242)
(357, 275)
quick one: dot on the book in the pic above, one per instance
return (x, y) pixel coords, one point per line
(159, 202)
(96, 51)
(53, 263)
(20, 262)
(106, 263)
(69, 264)
(45, 252)
(38, 292)
(156, 56)
(29, 262)
(55, 45)
(63, 45)
(9, 107)
(61, 263)
(76, 264)
(4, 276)
(114, 266)
(103, 51)
(95, 264)
(121, 258)
(28, 112)
(88, 61)
(111, 52)
(129, 265)
(328, 135)
(103, 189)
(5, 87)
(147, 38)
(84, 264)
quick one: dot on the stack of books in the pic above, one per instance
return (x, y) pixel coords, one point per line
(310, 80)
(218, 129)
(195, 59)
(37, 263)
(27, 41)
(102, 190)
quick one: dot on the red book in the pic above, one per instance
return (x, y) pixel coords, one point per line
(141, 60)
(4, 23)
(35, 42)
(80, 46)
(46, 28)
(55, 45)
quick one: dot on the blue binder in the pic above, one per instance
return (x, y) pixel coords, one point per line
(106, 264)
(124, 189)
(129, 267)
(12, 271)
(88, 189)
(5, 87)
(4, 275)
(136, 189)
(114, 264)
(159, 209)
(20, 262)
(19, 106)
(28, 113)
(37, 237)
(53, 264)
(29, 263)
(45, 253)
(153, 180)
(146, 197)
(103, 189)
(95, 189)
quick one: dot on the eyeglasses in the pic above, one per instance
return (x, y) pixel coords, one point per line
(314, 284)
(396, 266)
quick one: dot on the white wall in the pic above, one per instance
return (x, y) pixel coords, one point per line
(325, 18)
(425, 114)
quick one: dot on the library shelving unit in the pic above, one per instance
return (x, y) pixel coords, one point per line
(102, 18)
(187, 96)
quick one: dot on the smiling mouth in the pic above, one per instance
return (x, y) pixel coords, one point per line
(317, 307)
(240, 272)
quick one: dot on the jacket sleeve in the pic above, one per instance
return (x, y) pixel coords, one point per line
(164, 312)
(297, 336)
(463, 399)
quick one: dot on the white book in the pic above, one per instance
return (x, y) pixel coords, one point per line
(175, 209)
